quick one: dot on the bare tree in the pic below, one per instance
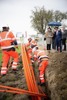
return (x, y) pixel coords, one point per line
(40, 18)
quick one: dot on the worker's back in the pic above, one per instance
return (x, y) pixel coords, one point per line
(5, 39)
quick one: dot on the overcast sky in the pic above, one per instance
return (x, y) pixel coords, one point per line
(16, 13)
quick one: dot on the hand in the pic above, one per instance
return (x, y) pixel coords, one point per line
(16, 46)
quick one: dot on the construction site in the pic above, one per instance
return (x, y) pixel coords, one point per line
(33, 50)
(22, 84)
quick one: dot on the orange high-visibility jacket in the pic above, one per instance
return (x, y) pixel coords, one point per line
(30, 44)
(40, 54)
(5, 40)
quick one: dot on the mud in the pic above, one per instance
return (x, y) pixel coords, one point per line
(56, 76)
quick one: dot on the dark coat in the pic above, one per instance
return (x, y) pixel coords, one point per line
(64, 34)
(58, 36)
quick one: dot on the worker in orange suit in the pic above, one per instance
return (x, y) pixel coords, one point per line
(7, 44)
(42, 58)
(31, 43)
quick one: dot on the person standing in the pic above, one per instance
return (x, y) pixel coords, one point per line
(64, 36)
(7, 44)
(48, 36)
(58, 39)
(53, 41)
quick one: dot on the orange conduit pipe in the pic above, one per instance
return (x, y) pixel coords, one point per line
(29, 74)
(33, 77)
(25, 64)
(26, 69)
(19, 91)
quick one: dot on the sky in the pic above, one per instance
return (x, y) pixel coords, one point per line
(16, 13)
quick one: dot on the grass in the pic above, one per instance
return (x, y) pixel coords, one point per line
(18, 49)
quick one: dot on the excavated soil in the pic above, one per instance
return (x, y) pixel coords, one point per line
(56, 76)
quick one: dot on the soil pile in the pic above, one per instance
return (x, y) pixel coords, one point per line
(56, 76)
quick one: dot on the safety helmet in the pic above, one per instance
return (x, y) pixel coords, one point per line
(29, 39)
(5, 28)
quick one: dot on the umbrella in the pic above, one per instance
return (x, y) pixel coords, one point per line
(54, 24)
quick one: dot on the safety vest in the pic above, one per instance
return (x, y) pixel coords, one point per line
(41, 55)
(5, 40)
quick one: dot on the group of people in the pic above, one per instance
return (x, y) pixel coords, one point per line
(8, 43)
(38, 55)
(56, 39)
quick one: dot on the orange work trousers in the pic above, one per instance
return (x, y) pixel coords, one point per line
(42, 68)
(6, 56)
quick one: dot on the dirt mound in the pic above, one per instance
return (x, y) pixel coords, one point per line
(56, 76)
